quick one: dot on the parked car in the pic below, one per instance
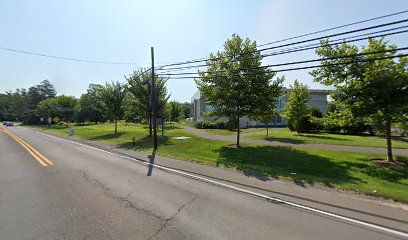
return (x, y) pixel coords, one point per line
(5, 123)
(9, 124)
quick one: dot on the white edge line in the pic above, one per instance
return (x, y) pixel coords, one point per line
(310, 209)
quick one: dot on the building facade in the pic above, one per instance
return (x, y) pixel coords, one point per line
(319, 98)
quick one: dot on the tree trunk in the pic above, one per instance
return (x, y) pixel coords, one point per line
(116, 126)
(238, 133)
(267, 132)
(150, 128)
(389, 144)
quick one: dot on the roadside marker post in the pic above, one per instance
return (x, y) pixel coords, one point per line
(153, 97)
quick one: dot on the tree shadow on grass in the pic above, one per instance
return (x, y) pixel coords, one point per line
(284, 140)
(401, 139)
(393, 174)
(302, 141)
(108, 136)
(285, 162)
(145, 143)
(324, 137)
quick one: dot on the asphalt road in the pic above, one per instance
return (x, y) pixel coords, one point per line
(75, 192)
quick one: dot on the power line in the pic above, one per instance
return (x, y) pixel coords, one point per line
(306, 67)
(299, 62)
(307, 47)
(334, 28)
(295, 43)
(67, 58)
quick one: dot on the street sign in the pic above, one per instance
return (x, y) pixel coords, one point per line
(42, 119)
(49, 120)
(159, 121)
(71, 132)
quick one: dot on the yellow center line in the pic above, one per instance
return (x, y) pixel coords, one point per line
(32, 151)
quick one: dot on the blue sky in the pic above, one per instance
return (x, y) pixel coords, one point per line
(124, 31)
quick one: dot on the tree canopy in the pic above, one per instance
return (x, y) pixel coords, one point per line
(113, 95)
(235, 83)
(296, 109)
(370, 87)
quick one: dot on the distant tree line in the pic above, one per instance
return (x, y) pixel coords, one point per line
(111, 102)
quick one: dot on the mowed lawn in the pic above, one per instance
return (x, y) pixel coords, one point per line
(285, 135)
(345, 170)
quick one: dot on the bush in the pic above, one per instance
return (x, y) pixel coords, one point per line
(211, 125)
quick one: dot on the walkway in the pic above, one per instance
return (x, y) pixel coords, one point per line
(233, 138)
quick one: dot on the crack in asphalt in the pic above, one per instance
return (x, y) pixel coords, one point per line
(126, 200)
(167, 220)
(131, 205)
(94, 181)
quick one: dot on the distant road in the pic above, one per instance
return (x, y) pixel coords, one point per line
(51, 189)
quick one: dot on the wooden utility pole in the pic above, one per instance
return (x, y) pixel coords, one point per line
(153, 99)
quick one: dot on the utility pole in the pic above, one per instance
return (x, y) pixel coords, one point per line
(153, 99)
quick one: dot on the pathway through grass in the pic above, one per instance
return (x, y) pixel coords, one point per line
(284, 135)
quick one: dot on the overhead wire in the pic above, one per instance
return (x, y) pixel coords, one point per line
(304, 47)
(295, 43)
(301, 68)
(334, 28)
(299, 62)
(330, 29)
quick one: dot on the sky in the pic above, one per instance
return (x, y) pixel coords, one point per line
(124, 31)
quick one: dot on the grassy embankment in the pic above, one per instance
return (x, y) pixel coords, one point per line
(345, 170)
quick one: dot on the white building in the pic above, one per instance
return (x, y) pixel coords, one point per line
(200, 107)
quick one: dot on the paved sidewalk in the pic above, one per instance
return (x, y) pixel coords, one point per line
(233, 138)
(379, 211)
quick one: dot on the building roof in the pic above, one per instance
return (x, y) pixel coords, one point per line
(197, 95)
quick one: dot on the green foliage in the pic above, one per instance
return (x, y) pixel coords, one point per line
(21, 105)
(174, 111)
(403, 125)
(234, 82)
(212, 125)
(113, 95)
(63, 107)
(296, 109)
(139, 85)
(187, 108)
(341, 119)
(376, 90)
(130, 109)
(13, 105)
(91, 105)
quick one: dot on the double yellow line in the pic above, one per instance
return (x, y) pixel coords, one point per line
(34, 153)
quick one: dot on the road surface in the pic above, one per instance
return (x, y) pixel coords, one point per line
(53, 189)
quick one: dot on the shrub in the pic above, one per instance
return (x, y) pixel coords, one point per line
(211, 125)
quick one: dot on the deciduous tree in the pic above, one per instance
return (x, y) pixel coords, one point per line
(113, 95)
(296, 109)
(369, 87)
(235, 81)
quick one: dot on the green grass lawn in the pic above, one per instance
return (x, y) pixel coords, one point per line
(346, 170)
(285, 135)
(233, 132)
